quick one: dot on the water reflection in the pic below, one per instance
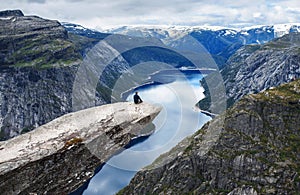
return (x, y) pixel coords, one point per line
(177, 120)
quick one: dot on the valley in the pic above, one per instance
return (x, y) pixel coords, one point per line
(54, 77)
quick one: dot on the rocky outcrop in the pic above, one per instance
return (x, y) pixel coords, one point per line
(270, 65)
(36, 72)
(11, 13)
(59, 156)
(253, 148)
(255, 68)
(31, 97)
(38, 66)
(34, 41)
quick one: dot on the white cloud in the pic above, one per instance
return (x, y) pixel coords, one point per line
(108, 13)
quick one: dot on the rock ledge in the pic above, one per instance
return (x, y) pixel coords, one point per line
(58, 156)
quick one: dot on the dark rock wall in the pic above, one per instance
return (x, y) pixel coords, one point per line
(255, 68)
(257, 152)
(10, 13)
(31, 97)
(59, 173)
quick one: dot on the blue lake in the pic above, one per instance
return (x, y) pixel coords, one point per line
(178, 119)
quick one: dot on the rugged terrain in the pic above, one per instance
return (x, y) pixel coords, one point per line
(59, 156)
(47, 69)
(253, 148)
(220, 42)
(34, 41)
(255, 68)
(39, 60)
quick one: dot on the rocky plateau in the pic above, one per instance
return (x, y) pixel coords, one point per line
(56, 158)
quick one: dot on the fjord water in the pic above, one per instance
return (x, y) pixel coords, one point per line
(178, 119)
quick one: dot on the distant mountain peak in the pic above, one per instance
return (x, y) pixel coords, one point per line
(279, 29)
(10, 13)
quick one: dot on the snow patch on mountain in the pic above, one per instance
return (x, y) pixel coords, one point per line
(167, 32)
(70, 26)
(283, 29)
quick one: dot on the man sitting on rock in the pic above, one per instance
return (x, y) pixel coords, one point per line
(137, 99)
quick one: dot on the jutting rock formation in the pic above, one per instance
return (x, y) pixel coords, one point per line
(59, 156)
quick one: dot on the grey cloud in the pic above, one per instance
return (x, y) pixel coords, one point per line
(93, 13)
(36, 1)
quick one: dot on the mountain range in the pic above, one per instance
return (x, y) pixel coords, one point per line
(252, 148)
(220, 42)
(167, 32)
(255, 68)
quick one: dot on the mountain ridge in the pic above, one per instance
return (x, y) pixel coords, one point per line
(39, 60)
(279, 29)
(255, 68)
(34, 41)
(219, 42)
(255, 151)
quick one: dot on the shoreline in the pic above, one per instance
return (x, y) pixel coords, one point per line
(151, 80)
(212, 115)
(160, 78)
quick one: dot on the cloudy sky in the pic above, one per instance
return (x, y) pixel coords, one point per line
(101, 14)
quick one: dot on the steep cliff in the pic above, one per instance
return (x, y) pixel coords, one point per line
(253, 148)
(30, 97)
(270, 65)
(255, 68)
(39, 60)
(59, 156)
(38, 63)
(34, 41)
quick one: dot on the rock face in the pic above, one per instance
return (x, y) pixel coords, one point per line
(11, 13)
(31, 97)
(38, 66)
(59, 156)
(255, 68)
(253, 148)
(34, 41)
(270, 65)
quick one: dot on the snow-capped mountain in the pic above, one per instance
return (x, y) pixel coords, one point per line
(80, 30)
(220, 42)
(283, 29)
(166, 32)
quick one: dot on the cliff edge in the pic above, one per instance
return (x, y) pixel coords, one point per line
(253, 148)
(59, 156)
(34, 41)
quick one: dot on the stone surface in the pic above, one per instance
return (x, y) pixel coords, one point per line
(34, 41)
(260, 68)
(59, 156)
(30, 97)
(255, 68)
(39, 60)
(11, 13)
(253, 148)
